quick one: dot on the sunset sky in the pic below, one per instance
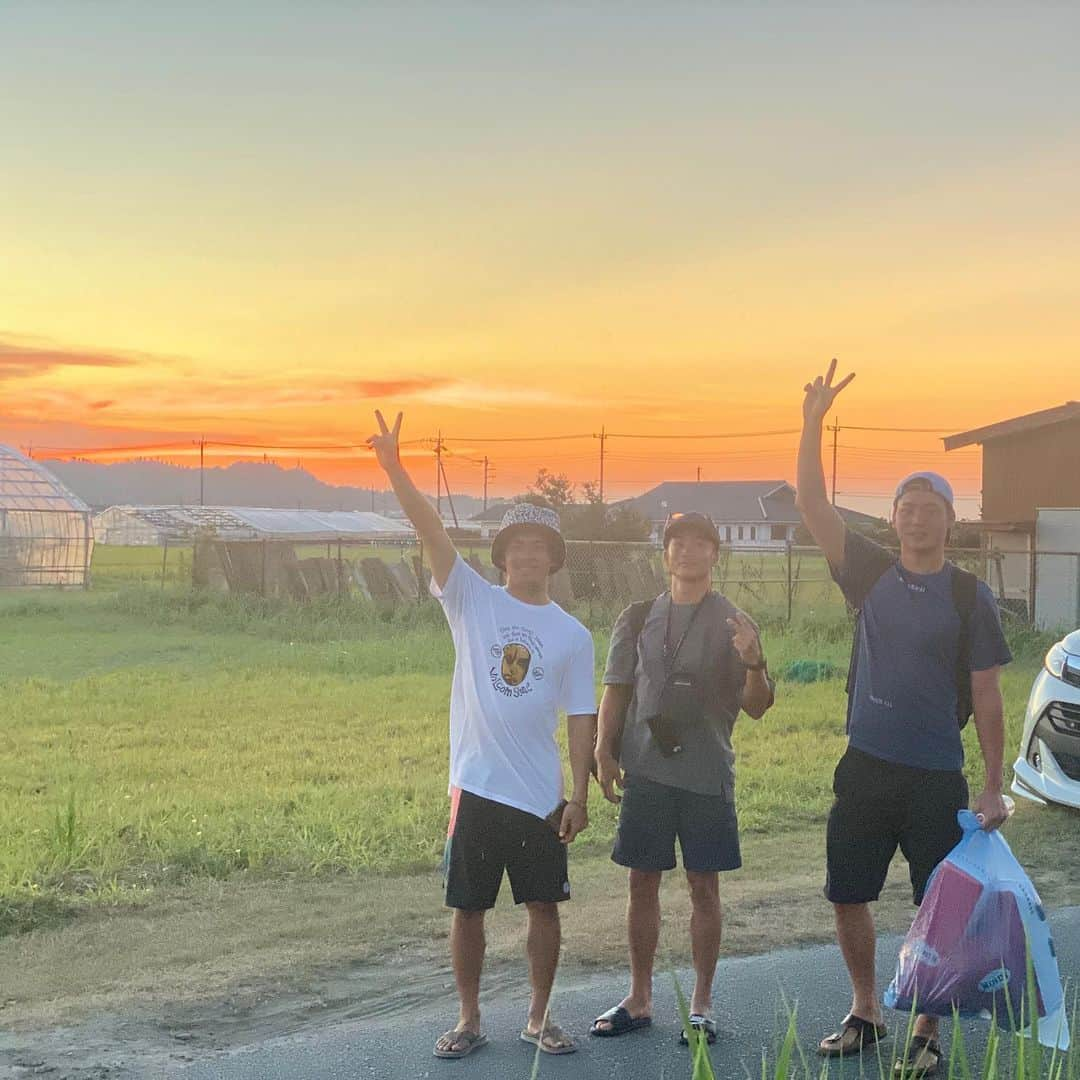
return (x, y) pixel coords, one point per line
(257, 223)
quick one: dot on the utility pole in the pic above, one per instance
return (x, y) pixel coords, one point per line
(485, 480)
(202, 470)
(835, 431)
(438, 473)
(603, 439)
(699, 474)
(449, 497)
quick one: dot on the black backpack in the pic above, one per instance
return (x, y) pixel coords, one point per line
(964, 587)
(639, 614)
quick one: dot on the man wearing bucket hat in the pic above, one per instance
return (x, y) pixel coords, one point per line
(927, 654)
(520, 661)
(679, 670)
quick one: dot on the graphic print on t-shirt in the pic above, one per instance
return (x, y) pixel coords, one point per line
(515, 674)
(515, 663)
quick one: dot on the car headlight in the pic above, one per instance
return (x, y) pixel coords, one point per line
(1055, 660)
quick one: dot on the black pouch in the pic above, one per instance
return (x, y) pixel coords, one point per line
(682, 707)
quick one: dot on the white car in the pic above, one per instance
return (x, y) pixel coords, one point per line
(1048, 768)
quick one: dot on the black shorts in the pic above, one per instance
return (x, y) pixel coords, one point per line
(879, 806)
(487, 838)
(652, 815)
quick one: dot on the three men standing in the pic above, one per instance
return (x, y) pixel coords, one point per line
(928, 651)
(679, 670)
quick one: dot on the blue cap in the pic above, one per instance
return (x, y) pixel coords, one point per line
(938, 484)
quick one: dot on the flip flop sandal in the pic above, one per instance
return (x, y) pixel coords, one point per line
(865, 1034)
(464, 1043)
(619, 1022)
(915, 1064)
(544, 1039)
(704, 1024)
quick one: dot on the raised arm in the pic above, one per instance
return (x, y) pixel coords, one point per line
(418, 510)
(812, 500)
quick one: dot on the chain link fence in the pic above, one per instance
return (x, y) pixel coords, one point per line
(780, 582)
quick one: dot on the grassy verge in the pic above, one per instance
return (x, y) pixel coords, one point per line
(149, 738)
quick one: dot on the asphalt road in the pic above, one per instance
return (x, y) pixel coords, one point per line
(750, 1011)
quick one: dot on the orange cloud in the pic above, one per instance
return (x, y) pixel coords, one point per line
(19, 361)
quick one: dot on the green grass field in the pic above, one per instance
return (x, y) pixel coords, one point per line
(148, 735)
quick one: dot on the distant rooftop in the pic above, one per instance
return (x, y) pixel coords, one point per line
(244, 522)
(26, 484)
(740, 502)
(1017, 425)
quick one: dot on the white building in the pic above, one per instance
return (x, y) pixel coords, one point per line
(757, 514)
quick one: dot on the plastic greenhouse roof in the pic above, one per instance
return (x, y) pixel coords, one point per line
(27, 485)
(251, 522)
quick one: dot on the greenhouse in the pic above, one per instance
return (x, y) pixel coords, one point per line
(46, 535)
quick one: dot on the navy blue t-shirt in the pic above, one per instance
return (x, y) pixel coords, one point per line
(904, 701)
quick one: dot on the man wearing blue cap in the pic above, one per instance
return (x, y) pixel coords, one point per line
(520, 661)
(927, 653)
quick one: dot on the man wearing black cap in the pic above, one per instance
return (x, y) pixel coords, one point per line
(679, 670)
(520, 660)
(928, 652)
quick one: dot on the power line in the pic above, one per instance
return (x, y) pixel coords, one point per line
(520, 438)
(912, 430)
(726, 435)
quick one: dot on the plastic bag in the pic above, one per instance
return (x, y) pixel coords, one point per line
(968, 945)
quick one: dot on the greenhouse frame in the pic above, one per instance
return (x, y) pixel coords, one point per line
(46, 531)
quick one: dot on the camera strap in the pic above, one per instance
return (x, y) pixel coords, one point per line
(670, 655)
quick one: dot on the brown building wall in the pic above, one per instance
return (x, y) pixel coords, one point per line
(1030, 469)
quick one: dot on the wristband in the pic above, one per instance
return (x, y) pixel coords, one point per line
(577, 802)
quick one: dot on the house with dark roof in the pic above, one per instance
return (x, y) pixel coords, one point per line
(490, 519)
(748, 513)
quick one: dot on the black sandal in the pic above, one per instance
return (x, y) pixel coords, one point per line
(913, 1066)
(866, 1033)
(619, 1022)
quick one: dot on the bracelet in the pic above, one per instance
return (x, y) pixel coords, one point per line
(577, 802)
(757, 667)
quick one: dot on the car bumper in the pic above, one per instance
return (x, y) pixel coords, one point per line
(1051, 731)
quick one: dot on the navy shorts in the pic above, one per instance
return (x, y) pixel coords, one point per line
(881, 806)
(487, 838)
(652, 815)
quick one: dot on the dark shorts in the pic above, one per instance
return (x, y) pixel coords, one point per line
(487, 838)
(881, 806)
(652, 815)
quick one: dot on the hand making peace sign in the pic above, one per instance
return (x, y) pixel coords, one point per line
(385, 444)
(820, 394)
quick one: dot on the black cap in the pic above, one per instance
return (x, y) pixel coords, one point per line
(691, 522)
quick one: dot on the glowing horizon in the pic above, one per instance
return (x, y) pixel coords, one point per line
(536, 223)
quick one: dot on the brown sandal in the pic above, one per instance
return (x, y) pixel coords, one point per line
(462, 1043)
(921, 1059)
(855, 1036)
(551, 1040)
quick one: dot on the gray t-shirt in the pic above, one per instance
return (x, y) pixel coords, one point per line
(706, 764)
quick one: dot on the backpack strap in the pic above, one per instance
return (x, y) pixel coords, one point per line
(856, 637)
(637, 616)
(964, 588)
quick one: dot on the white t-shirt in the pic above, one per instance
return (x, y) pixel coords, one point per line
(517, 666)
